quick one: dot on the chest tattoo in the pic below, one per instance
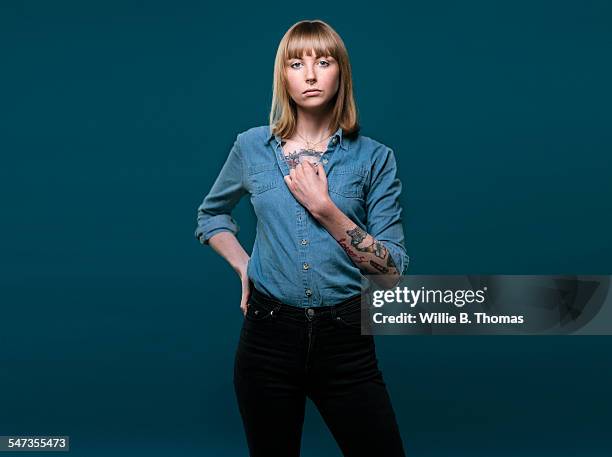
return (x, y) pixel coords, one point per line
(297, 156)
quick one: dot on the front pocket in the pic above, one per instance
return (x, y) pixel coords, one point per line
(353, 325)
(257, 313)
(262, 177)
(350, 318)
(347, 181)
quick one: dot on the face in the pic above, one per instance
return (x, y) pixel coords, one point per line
(310, 73)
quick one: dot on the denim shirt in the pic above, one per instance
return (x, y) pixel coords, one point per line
(294, 258)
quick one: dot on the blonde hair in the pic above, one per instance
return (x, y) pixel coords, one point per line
(305, 36)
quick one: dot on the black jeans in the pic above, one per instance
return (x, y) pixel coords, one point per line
(286, 354)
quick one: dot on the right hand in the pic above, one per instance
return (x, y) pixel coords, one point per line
(246, 293)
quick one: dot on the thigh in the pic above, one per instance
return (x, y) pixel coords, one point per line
(272, 418)
(351, 395)
(362, 420)
(269, 389)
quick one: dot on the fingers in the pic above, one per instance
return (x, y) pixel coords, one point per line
(312, 167)
(301, 172)
(290, 177)
(244, 307)
(305, 168)
(289, 181)
(246, 295)
(321, 170)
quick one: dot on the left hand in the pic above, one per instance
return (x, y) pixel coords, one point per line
(308, 184)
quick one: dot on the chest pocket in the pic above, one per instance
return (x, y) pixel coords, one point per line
(347, 181)
(262, 177)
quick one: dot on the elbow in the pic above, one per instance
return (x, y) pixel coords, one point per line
(209, 226)
(398, 264)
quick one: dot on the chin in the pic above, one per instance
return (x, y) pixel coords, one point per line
(314, 104)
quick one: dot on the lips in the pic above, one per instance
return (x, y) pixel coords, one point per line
(311, 91)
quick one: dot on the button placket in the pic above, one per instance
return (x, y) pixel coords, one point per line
(302, 221)
(305, 285)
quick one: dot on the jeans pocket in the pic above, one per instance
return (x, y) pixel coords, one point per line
(350, 318)
(257, 313)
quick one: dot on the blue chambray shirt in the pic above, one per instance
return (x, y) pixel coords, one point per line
(294, 258)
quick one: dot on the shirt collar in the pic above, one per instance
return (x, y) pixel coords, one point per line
(337, 137)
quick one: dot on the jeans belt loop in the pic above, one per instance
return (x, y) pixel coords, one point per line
(275, 311)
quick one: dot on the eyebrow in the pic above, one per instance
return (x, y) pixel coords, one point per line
(318, 57)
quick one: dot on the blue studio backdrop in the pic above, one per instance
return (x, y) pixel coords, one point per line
(118, 329)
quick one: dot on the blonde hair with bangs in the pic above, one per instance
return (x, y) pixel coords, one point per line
(301, 37)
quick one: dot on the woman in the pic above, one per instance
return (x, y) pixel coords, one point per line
(328, 213)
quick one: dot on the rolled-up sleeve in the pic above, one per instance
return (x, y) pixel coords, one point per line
(214, 214)
(384, 220)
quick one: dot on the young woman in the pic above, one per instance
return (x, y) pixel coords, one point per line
(327, 205)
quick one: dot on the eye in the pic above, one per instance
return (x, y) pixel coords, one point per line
(295, 63)
(325, 62)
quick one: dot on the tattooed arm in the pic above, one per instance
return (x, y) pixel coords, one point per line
(369, 255)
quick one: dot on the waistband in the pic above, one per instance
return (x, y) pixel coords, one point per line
(272, 304)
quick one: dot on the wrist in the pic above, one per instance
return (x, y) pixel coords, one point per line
(323, 210)
(241, 270)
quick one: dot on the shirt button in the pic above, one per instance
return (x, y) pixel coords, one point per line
(324, 161)
(310, 312)
(308, 292)
(305, 266)
(304, 242)
(334, 140)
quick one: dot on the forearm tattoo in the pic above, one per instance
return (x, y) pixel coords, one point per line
(377, 248)
(353, 255)
(357, 235)
(379, 267)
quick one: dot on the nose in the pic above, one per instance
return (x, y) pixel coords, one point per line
(310, 74)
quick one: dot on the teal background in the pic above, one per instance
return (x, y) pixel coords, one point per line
(118, 329)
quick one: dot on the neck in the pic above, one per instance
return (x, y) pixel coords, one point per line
(313, 125)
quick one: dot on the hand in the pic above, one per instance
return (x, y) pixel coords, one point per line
(308, 184)
(246, 293)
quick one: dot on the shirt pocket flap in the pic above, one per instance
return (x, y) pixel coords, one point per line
(262, 177)
(347, 180)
